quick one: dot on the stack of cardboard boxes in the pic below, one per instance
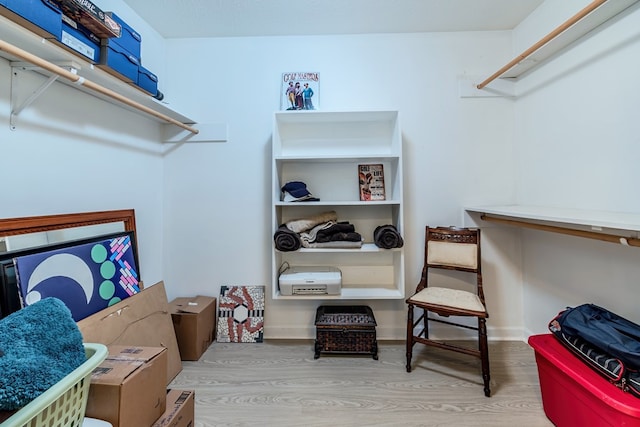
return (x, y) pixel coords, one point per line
(83, 28)
(147, 337)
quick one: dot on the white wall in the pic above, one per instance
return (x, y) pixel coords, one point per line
(457, 152)
(577, 137)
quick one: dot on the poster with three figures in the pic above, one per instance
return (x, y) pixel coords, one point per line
(300, 91)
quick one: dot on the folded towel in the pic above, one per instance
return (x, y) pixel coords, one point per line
(304, 224)
(286, 240)
(39, 346)
(387, 237)
(310, 236)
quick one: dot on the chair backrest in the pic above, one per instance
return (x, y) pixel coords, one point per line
(453, 248)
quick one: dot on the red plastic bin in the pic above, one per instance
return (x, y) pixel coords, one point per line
(575, 395)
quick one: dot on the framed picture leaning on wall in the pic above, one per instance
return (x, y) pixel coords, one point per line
(300, 91)
(87, 275)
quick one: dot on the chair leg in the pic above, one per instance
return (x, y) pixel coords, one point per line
(409, 337)
(484, 355)
(425, 326)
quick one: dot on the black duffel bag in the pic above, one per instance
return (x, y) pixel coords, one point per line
(608, 343)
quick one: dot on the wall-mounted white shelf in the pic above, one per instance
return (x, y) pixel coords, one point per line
(21, 38)
(614, 227)
(585, 21)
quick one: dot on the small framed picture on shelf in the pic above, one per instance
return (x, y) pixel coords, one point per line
(371, 182)
(300, 91)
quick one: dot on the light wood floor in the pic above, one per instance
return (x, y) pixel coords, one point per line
(278, 383)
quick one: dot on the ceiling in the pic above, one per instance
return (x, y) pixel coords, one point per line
(238, 18)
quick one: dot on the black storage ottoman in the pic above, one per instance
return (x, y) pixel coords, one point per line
(346, 329)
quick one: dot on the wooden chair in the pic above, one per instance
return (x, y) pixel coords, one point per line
(450, 248)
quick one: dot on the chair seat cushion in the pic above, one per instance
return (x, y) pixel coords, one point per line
(449, 298)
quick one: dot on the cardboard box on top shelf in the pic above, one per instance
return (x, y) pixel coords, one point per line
(194, 322)
(129, 387)
(140, 320)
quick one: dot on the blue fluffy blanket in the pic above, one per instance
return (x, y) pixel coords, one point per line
(39, 345)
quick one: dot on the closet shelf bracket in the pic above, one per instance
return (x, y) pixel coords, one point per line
(16, 69)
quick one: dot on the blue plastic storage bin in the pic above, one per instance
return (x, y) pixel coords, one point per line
(119, 62)
(42, 17)
(129, 38)
(147, 81)
(77, 38)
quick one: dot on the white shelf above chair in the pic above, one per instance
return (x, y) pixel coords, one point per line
(614, 227)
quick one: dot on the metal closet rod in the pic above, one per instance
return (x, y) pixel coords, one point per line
(623, 240)
(35, 60)
(553, 34)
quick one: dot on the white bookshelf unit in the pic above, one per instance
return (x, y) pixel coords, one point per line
(323, 150)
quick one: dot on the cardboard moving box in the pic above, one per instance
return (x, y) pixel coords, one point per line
(194, 321)
(180, 409)
(129, 387)
(140, 320)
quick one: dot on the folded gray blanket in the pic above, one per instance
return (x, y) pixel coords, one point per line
(39, 346)
(387, 237)
(286, 240)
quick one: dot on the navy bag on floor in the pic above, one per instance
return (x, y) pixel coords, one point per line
(608, 343)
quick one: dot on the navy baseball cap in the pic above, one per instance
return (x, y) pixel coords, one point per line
(296, 191)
